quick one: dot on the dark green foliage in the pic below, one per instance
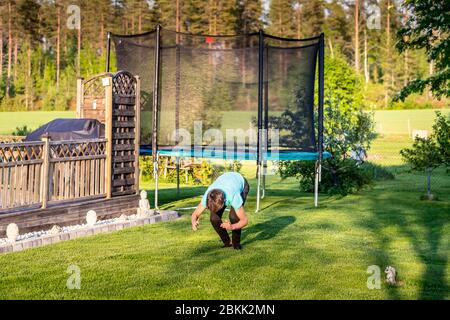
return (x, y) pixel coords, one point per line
(202, 173)
(428, 28)
(249, 13)
(338, 177)
(427, 154)
(432, 152)
(32, 84)
(21, 131)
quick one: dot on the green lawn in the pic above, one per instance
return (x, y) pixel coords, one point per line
(290, 251)
(395, 122)
(9, 121)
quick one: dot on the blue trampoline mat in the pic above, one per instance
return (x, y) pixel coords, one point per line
(236, 155)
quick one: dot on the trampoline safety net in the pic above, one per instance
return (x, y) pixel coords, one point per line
(211, 91)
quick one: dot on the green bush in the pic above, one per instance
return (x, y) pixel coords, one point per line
(427, 154)
(21, 131)
(197, 175)
(344, 177)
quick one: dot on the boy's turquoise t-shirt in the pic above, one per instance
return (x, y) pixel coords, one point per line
(232, 185)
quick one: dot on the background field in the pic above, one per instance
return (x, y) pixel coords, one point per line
(393, 126)
(9, 121)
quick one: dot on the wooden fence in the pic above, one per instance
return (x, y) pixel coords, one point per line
(34, 174)
(45, 172)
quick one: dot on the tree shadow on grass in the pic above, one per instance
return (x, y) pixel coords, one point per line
(424, 228)
(265, 230)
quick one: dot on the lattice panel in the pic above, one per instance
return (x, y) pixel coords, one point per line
(19, 152)
(124, 84)
(74, 149)
(94, 86)
(124, 130)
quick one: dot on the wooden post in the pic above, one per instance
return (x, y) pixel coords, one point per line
(45, 170)
(107, 83)
(137, 130)
(80, 95)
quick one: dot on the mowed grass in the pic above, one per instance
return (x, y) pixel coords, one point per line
(291, 250)
(9, 121)
(402, 122)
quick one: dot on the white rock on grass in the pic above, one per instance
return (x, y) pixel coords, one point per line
(55, 230)
(91, 218)
(12, 232)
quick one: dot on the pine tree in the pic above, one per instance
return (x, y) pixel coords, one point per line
(281, 16)
(248, 14)
(313, 17)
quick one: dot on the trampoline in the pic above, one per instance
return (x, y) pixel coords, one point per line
(281, 155)
(234, 97)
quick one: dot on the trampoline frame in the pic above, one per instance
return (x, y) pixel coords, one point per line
(261, 161)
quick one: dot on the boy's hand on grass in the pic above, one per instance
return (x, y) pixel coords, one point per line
(226, 225)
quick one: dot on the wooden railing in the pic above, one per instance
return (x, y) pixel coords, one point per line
(11, 138)
(20, 173)
(46, 172)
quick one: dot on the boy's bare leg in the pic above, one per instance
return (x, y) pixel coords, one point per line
(216, 221)
(235, 234)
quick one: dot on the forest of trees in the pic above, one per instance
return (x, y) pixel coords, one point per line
(43, 51)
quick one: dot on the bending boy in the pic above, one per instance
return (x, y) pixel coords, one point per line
(230, 189)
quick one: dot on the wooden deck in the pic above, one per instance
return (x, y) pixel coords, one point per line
(69, 213)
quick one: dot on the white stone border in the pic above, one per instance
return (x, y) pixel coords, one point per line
(86, 231)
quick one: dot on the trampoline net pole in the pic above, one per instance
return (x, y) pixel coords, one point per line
(258, 198)
(260, 113)
(316, 184)
(177, 166)
(108, 51)
(266, 116)
(155, 176)
(320, 100)
(318, 167)
(156, 89)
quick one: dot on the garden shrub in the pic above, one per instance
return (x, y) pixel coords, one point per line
(197, 175)
(21, 131)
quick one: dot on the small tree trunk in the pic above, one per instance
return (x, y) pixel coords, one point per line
(8, 75)
(178, 17)
(16, 53)
(357, 36)
(102, 34)
(58, 48)
(406, 80)
(429, 184)
(430, 72)
(30, 80)
(330, 44)
(140, 18)
(1, 52)
(366, 59)
(388, 55)
(79, 50)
